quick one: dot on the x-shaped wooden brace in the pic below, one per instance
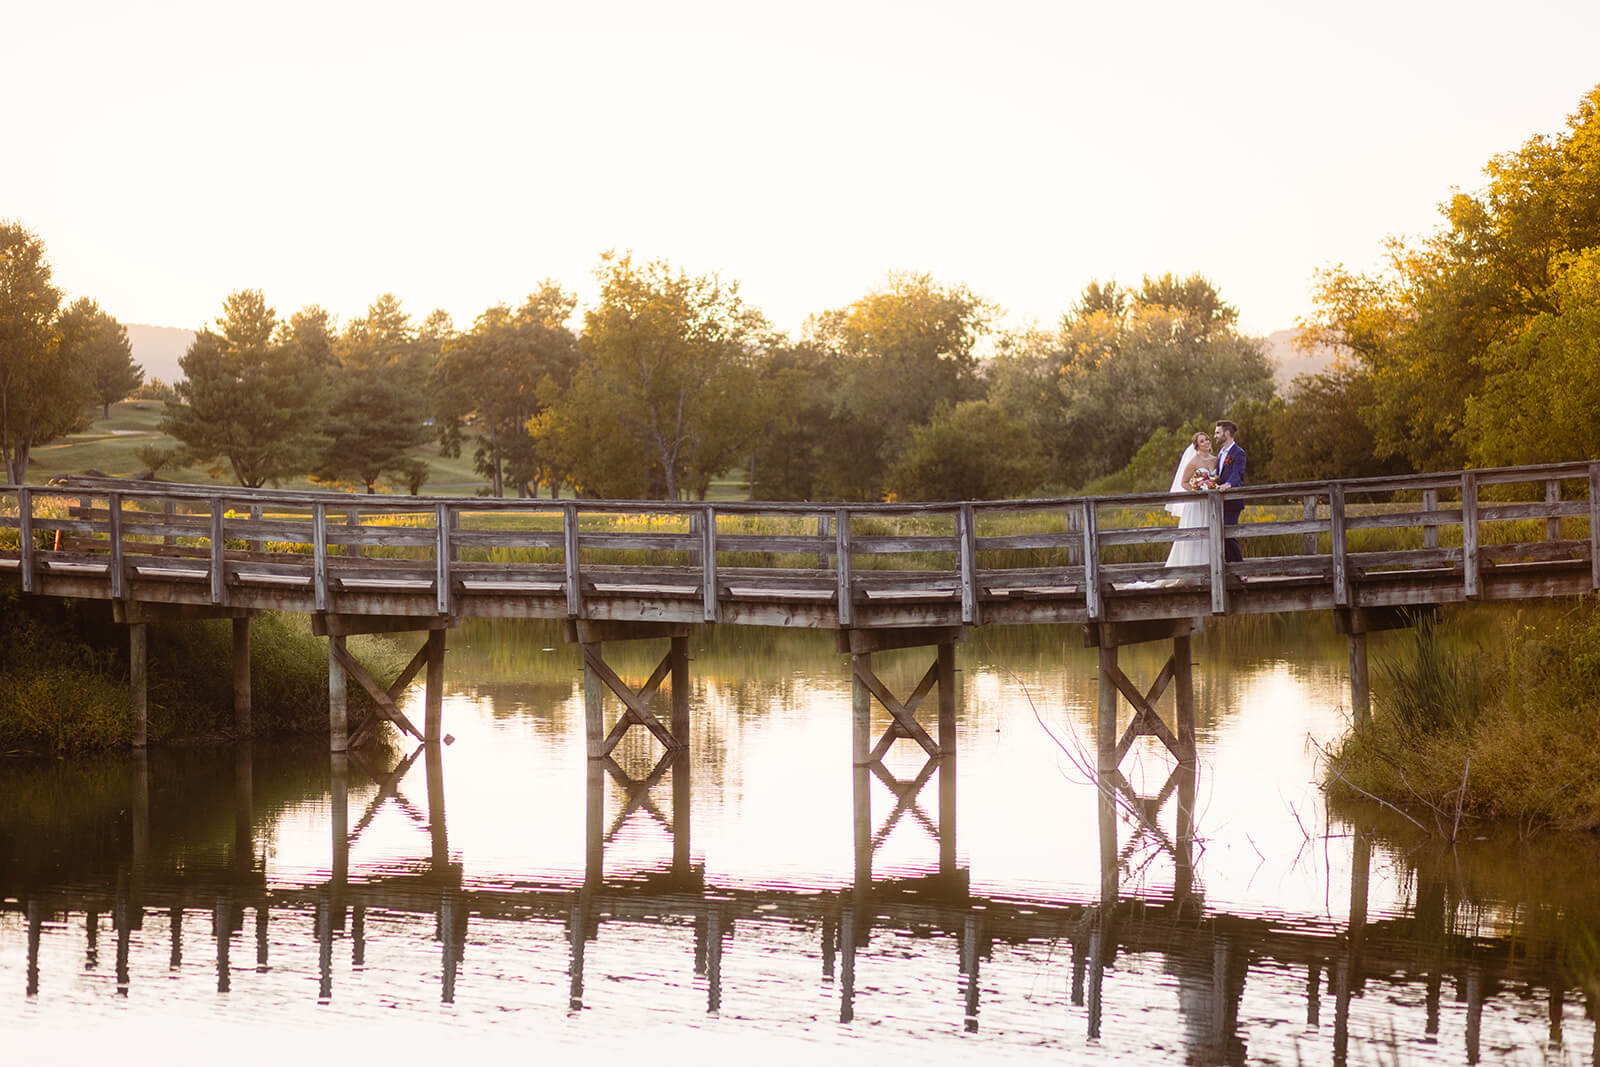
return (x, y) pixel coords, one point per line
(905, 722)
(905, 794)
(388, 789)
(638, 791)
(633, 702)
(383, 698)
(1145, 719)
(1147, 810)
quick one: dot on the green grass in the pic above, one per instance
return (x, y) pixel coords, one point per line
(1507, 704)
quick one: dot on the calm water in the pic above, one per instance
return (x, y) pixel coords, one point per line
(759, 898)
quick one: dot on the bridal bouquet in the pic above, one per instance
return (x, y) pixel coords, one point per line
(1202, 479)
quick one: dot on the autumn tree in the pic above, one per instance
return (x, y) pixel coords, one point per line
(790, 459)
(493, 379)
(663, 398)
(44, 390)
(252, 396)
(1125, 363)
(1455, 309)
(905, 349)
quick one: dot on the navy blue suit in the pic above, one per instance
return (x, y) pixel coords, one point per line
(1231, 474)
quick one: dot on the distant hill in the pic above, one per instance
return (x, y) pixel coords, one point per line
(158, 348)
(1291, 361)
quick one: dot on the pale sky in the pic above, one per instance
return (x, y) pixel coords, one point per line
(458, 153)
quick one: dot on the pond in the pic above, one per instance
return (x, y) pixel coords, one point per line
(758, 896)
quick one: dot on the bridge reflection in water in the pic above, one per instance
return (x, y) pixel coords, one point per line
(1210, 956)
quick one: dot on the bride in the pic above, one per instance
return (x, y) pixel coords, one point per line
(1195, 471)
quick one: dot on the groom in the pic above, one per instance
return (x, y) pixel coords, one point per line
(1230, 475)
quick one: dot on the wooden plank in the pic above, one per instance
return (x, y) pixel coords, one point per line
(119, 573)
(380, 696)
(441, 559)
(775, 543)
(460, 539)
(824, 534)
(842, 551)
(569, 530)
(1594, 525)
(319, 554)
(25, 547)
(906, 720)
(1338, 546)
(1091, 561)
(967, 555)
(708, 562)
(1430, 527)
(1552, 495)
(1218, 556)
(1472, 582)
(646, 718)
(1310, 512)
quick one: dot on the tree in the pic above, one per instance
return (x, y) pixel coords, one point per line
(1124, 364)
(378, 416)
(905, 350)
(661, 401)
(252, 395)
(491, 381)
(99, 344)
(1448, 313)
(1320, 432)
(790, 458)
(973, 451)
(43, 389)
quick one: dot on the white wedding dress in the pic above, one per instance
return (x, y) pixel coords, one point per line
(1191, 513)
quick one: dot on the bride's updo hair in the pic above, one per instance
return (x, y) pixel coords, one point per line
(1198, 437)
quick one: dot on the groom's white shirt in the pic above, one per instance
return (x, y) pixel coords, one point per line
(1224, 452)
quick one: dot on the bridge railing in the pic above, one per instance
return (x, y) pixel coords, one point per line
(1455, 530)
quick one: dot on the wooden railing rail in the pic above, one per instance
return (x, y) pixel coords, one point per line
(1337, 533)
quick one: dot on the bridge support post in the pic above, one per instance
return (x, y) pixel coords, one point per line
(1355, 624)
(342, 667)
(241, 676)
(138, 680)
(598, 676)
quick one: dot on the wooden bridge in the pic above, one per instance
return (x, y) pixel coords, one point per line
(1373, 551)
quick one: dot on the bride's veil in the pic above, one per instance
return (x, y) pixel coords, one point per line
(1176, 507)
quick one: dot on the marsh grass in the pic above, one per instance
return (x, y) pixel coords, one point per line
(64, 677)
(1523, 706)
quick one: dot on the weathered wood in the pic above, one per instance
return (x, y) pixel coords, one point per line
(442, 554)
(138, 680)
(1430, 526)
(433, 697)
(242, 724)
(967, 555)
(596, 631)
(336, 624)
(1145, 718)
(1183, 675)
(1472, 583)
(1594, 525)
(947, 739)
(218, 553)
(1360, 691)
(708, 563)
(1217, 553)
(842, 553)
(1116, 634)
(319, 551)
(119, 572)
(860, 729)
(379, 694)
(904, 717)
(1552, 495)
(569, 530)
(1373, 620)
(858, 642)
(25, 547)
(824, 535)
(1093, 596)
(338, 707)
(1310, 506)
(636, 709)
(1339, 550)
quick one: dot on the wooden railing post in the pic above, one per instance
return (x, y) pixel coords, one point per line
(569, 531)
(1091, 560)
(1471, 577)
(1594, 525)
(967, 557)
(1310, 514)
(218, 547)
(1430, 529)
(442, 585)
(319, 556)
(708, 562)
(1337, 546)
(1552, 495)
(822, 531)
(841, 528)
(1217, 554)
(25, 536)
(119, 576)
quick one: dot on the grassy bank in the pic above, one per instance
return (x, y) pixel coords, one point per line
(64, 678)
(1490, 717)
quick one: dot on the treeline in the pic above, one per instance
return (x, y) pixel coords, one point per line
(1476, 346)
